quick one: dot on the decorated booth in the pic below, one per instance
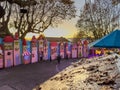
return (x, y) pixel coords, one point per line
(26, 53)
(53, 50)
(74, 50)
(34, 56)
(68, 50)
(58, 48)
(17, 56)
(85, 48)
(8, 51)
(41, 47)
(1, 53)
(45, 50)
(62, 51)
(79, 49)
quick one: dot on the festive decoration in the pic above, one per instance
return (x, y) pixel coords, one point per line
(34, 50)
(1, 56)
(41, 47)
(74, 50)
(17, 57)
(26, 54)
(53, 50)
(62, 53)
(79, 49)
(8, 51)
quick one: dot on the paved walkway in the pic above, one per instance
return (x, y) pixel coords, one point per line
(26, 77)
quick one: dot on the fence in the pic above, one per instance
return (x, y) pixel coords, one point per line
(14, 51)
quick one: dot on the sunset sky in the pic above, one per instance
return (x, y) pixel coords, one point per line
(67, 28)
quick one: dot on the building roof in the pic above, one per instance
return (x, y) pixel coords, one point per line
(57, 39)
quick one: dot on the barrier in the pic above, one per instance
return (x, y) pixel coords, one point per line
(26, 53)
(79, 49)
(62, 47)
(34, 56)
(74, 50)
(45, 50)
(53, 46)
(1, 53)
(41, 47)
(16, 52)
(17, 56)
(8, 51)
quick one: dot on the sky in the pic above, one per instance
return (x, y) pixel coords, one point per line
(67, 29)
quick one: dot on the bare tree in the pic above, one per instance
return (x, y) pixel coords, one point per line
(42, 15)
(5, 18)
(7, 7)
(80, 35)
(98, 17)
(34, 15)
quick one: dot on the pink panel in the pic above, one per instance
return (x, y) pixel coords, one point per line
(8, 54)
(26, 55)
(17, 59)
(8, 58)
(62, 50)
(68, 52)
(41, 47)
(45, 53)
(79, 51)
(1, 57)
(53, 50)
(85, 51)
(74, 51)
(34, 50)
(34, 55)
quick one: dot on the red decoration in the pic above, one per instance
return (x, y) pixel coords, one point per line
(80, 43)
(8, 39)
(85, 42)
(53, 44)
(41, 37)
(34, 39)
(24, 42)
(16, 36)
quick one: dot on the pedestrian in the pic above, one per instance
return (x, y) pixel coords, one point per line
(66, 56)
(41, 55)
(58, 59)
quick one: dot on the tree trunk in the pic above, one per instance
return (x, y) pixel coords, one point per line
(23, 35)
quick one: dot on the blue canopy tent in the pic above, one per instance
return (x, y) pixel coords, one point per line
(111, 40)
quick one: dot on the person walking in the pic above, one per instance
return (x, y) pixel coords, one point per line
(41, 55)
(58, 59)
